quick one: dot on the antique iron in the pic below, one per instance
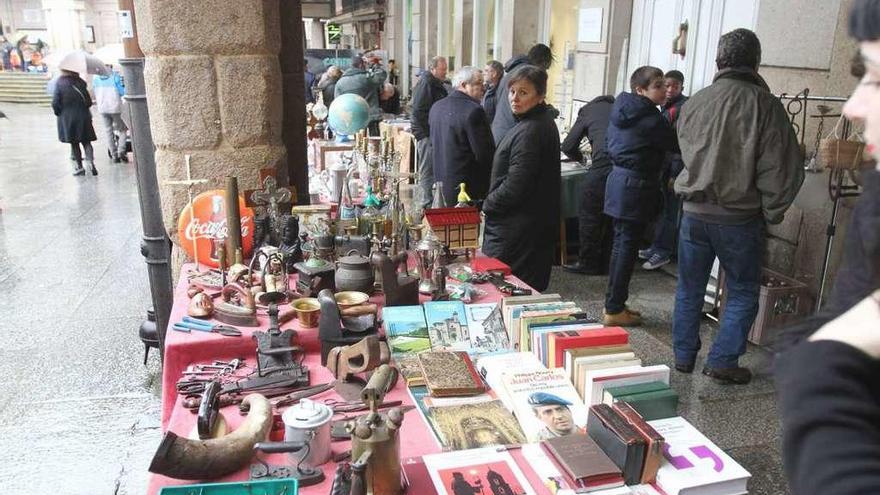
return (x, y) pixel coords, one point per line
(237, 306)
(347, 362)
(400, 288)
(343, 327)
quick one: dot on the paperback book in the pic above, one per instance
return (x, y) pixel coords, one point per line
(487, 332)
(545, 403)
(473, 471)
(447, 326)
(474, 425)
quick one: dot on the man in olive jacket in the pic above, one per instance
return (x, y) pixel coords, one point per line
(742, 168)
(366, 83)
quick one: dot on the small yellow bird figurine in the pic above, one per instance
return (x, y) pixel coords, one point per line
(463, 198)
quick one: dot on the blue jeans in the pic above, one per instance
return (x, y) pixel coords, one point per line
(624, 252)
(739, 249)
(667, 226)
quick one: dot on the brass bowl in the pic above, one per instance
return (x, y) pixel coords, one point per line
(308, 310)
(350, 298)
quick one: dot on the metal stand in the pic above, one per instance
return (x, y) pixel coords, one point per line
(155, 245)
(837, 190)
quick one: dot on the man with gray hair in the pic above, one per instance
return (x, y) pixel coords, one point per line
(428, 91)
(461, 138)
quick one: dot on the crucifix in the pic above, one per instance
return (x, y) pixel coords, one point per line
(189, 183)
(273, 198)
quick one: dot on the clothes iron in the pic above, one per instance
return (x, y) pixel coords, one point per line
(237, 306)
(400, 289)
(343, 327)
(347, 362)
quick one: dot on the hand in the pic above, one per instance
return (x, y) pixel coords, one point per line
(857, 327)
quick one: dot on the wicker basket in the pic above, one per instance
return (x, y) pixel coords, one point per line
(841, 154)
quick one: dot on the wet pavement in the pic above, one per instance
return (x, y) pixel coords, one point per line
(79, 412)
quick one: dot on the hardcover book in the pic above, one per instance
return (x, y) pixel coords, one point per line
(486, 327)
(545, 404)
(410, 369)
(583, 368)
(596, 381)
(595, 337)
(583, 463)
(572, 354)
(450, 373)
(480, 424)
(474, 471)
(447, 326)
(693, 465)
(655, 442)
(529, 318)
(540, 332)
(619, 440)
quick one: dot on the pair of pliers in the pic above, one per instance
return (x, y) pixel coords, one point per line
(190, 323)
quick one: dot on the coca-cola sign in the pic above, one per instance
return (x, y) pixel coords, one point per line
(206, 231)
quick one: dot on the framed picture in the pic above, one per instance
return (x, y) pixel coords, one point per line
(89, 34)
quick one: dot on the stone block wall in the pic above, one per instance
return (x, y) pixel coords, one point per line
(214, 92)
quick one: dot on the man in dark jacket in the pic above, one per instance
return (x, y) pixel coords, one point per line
(492, 76)
(594, 225)
(365, 83)
(540, 56)
(660, 252)
(428, 91)
(461, 139)
(309, 79)
(742, 168)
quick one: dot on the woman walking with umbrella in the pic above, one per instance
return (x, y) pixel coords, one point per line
(71, 102)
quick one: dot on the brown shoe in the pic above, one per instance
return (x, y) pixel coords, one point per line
(632, 311)
(623, 319)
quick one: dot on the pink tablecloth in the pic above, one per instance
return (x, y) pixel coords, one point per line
(183, 349)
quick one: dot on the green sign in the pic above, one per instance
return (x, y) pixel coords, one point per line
(334, 33)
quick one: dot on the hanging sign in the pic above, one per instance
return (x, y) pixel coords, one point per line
(126, 29)
(334, 33)
(208, 227)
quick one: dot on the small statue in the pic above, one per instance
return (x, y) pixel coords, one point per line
(291, 245)
(262, 232)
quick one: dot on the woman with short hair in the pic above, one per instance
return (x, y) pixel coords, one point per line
(522, 206)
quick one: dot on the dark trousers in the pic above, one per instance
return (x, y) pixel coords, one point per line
(739, 249)
(594, 230)
(624, 252)
(666, 235)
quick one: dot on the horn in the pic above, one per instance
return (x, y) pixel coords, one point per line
(186, 459)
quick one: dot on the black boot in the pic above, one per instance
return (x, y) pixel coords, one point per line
(738, 376)
(92, 167)
(585, 269)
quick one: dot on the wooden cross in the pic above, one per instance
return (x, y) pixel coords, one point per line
(189, 183)
(272, 197)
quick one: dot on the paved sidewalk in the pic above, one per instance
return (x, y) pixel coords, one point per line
(79, 412)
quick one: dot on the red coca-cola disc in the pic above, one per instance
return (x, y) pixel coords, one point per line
(208, 227)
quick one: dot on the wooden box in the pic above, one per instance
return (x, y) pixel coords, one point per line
(782, 301)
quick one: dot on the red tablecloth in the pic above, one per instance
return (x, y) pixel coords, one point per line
(183, 349)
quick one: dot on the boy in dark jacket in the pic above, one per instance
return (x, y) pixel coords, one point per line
(638, 137)
(660, 252)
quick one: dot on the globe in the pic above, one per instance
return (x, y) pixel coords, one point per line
(349, 113)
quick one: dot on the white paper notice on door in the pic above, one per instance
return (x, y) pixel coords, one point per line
(590, 25)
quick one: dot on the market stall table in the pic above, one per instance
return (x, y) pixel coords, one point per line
(183, 349)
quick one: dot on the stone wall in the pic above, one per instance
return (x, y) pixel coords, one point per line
(214, 91)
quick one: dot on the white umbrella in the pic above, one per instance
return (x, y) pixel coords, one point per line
(110, 54)
(80, 61)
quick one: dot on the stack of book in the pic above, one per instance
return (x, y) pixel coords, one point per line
(652, 400)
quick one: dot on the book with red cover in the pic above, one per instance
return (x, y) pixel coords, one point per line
(592, 337)
(582, 463)
(485, 263)
(654, 452)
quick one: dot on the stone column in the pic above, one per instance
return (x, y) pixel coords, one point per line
(214, 92)
(444, 29)
(64, 23)
(430, 26)
(479, 33)
(317, 31)
(461, 33)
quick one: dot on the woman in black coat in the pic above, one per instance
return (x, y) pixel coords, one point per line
(71, 103)
(522, 206)
(638, 138)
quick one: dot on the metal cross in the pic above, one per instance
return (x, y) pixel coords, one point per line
(271, 197)
(189, 183)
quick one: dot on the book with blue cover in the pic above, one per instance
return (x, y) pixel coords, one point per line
(447, 326)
